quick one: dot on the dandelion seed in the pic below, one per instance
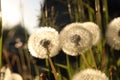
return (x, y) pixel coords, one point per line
(90, 74)
(75, 39)
(95, 31)
(44, 38)
(113, 33)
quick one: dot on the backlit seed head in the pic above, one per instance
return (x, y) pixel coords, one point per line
(90, 74)
(95, 31)
(113, 33)
(45, 38)
(75, 39)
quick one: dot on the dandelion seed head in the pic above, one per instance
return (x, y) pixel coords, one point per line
(113, 33)
(94, 29)
(90, 74)
(13, 76)
(8, 75)
(75, 39)
(44, 38)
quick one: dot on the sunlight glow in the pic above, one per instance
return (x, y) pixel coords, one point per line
(10, 13)
(25, 12)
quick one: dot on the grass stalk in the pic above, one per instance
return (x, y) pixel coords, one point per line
(93, 58)
(48, 66)
(22, 59)
(81, 10)
(61, 65)
(0, 52)
(0, 43)
(105, 11)
(98, 14)
(28, 61)
(68, 66)
(69, 9)
(85, 60)
(7, 59)
(104, 59)
(17, 60)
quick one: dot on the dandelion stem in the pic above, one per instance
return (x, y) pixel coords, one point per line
(86, 62)
(68, 65)
(93, 58)
(52, 66)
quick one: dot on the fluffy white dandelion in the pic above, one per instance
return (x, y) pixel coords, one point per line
(95, 31)
(8, 75)
(5, 71)
(90, 74)
(13, 76)
(41, 40)
(75, 39)
(113, 33)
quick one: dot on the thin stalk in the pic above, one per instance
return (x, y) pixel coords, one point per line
(104, 59)
(77, 60)
(47, 64)
(0, 52)
(61, 65)
(46, 15)
(16, 58)
(90, 11)
(80, 9)
(28, 60)
(85, 61)
(52, 66)
(7, 59)
(105, 10)
(98, 14)
(93, 58)
(69, 10)
(68, 65)
(35, 67)
(76, 15)
(22, 59)
(90, 15)
(59, 75)
(28, 63)
(0, 43)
